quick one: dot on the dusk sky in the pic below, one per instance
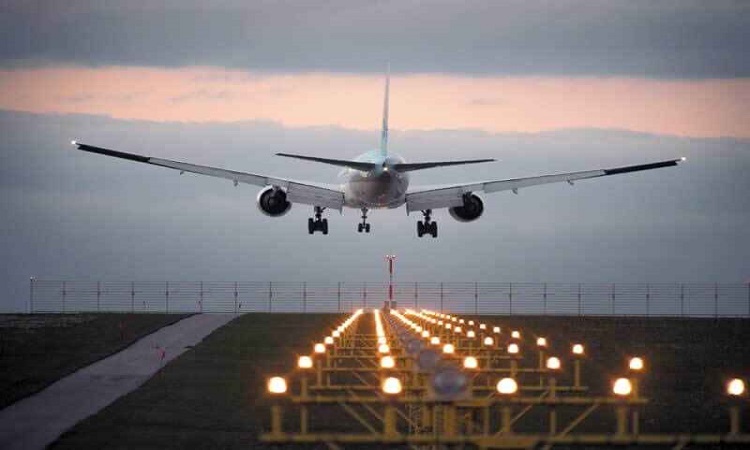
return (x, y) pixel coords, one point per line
(541, 86)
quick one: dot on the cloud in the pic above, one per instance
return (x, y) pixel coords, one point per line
(698, 108)
(666, 39)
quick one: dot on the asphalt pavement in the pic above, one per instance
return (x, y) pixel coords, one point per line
(38, 420)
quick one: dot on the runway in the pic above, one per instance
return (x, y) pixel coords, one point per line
(36, 421)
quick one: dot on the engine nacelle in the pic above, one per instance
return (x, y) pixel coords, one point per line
(471, 210)
(273, 203)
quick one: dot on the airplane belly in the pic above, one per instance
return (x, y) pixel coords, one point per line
(382, 191)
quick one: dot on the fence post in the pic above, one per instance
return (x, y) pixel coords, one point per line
(748, 299)
(510, 298)
(64, 293)
(304, 296)
(236, 298)
(682, 300)
(716, 300)
(98, 295)
(132, 296)
(441, 297)
(416, 294)
(364, 295)
(31, 294)
(614, 290)
(580, 309)
(339, 297)
(476, 298)
(270, 294)
(200, 300)
(648, 300)
(166, 298)
(544, 297)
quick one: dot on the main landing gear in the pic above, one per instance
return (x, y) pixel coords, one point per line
(428, 227)
(364, 226)
(317, 224)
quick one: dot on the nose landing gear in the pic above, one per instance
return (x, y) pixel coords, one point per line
(317, 224)
(428, 227)
(364, 226)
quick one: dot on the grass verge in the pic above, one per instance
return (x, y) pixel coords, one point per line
(38, 349)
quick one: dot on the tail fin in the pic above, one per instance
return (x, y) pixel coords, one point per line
(384, 131)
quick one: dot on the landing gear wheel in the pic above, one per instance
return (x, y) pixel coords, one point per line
(324, 226)
(359, 227)
(367, 228)
(317, 223)
(310, 226)
(363, 226)
(428, 226)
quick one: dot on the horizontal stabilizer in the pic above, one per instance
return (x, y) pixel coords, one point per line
(407, 167)
(358, 165)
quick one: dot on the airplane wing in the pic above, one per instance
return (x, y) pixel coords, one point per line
(297, 192)
(450, 196)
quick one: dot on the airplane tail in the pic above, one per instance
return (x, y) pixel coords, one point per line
(384, 130)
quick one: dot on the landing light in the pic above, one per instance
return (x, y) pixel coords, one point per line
(470, 362)
(304, 362)
(391, 386)
(622, 387)
(636, 364)
(73, 143)
(507, 386)
(277, 385)
(736, 387)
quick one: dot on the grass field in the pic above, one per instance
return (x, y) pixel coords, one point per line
(212, 396)
(38, 349)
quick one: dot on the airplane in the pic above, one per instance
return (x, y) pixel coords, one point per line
(375, 179)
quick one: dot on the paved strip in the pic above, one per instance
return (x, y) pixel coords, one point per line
(38, 420)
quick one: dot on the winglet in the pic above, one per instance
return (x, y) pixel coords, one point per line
(384, 131)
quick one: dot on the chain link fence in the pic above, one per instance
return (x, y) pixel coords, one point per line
(492, 298)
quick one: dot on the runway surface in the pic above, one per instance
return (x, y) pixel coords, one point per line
(36, 421)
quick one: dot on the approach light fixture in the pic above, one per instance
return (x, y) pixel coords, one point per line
(496, 330)
(513, 349)
(578, 349)
(541, 342)
(553, 363)
(488, 341)
(736, 387)
(471, 334)
(515, 334)
(507, 386)
(435, 340)
(328, 340)
(470, 362)
(387, 362)
(622, 387)
(636, 364)
(392, 386)
(449, 349)
(383, 348)
(304, 362)
(277, 385)
(319, 348)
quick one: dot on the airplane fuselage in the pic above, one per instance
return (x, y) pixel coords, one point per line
(382, 187)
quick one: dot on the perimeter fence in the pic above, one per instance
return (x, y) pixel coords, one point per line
(491, 298)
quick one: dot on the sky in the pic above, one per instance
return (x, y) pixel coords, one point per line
(541, 86)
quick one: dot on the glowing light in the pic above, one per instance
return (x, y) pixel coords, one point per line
(392, 386)
(435, 340)
(471, 334)
(736, 387)
(488, 341)
(458, 329)
(304, 362)
(328, 340)
(277, 385)
(73, 143)
(471, 323)
(553, 363)
(336, 333)
(541, 342)
(387, 362)
(515, 334)
(496, 330)
(622, 387)
(319, 348)
(482, 326)
(449, 349)
(470, 362)
(507, 386)
(636, 364)
(425, 334)
(383, 348)
(513, 349)
(578, 349)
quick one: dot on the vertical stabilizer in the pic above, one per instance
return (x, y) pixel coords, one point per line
(384, 131)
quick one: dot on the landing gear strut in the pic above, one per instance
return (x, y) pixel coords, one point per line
(428, 227)
(317, 224)
(364, 226)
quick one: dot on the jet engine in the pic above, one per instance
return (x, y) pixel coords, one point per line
(272, 202)
(471, 210)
